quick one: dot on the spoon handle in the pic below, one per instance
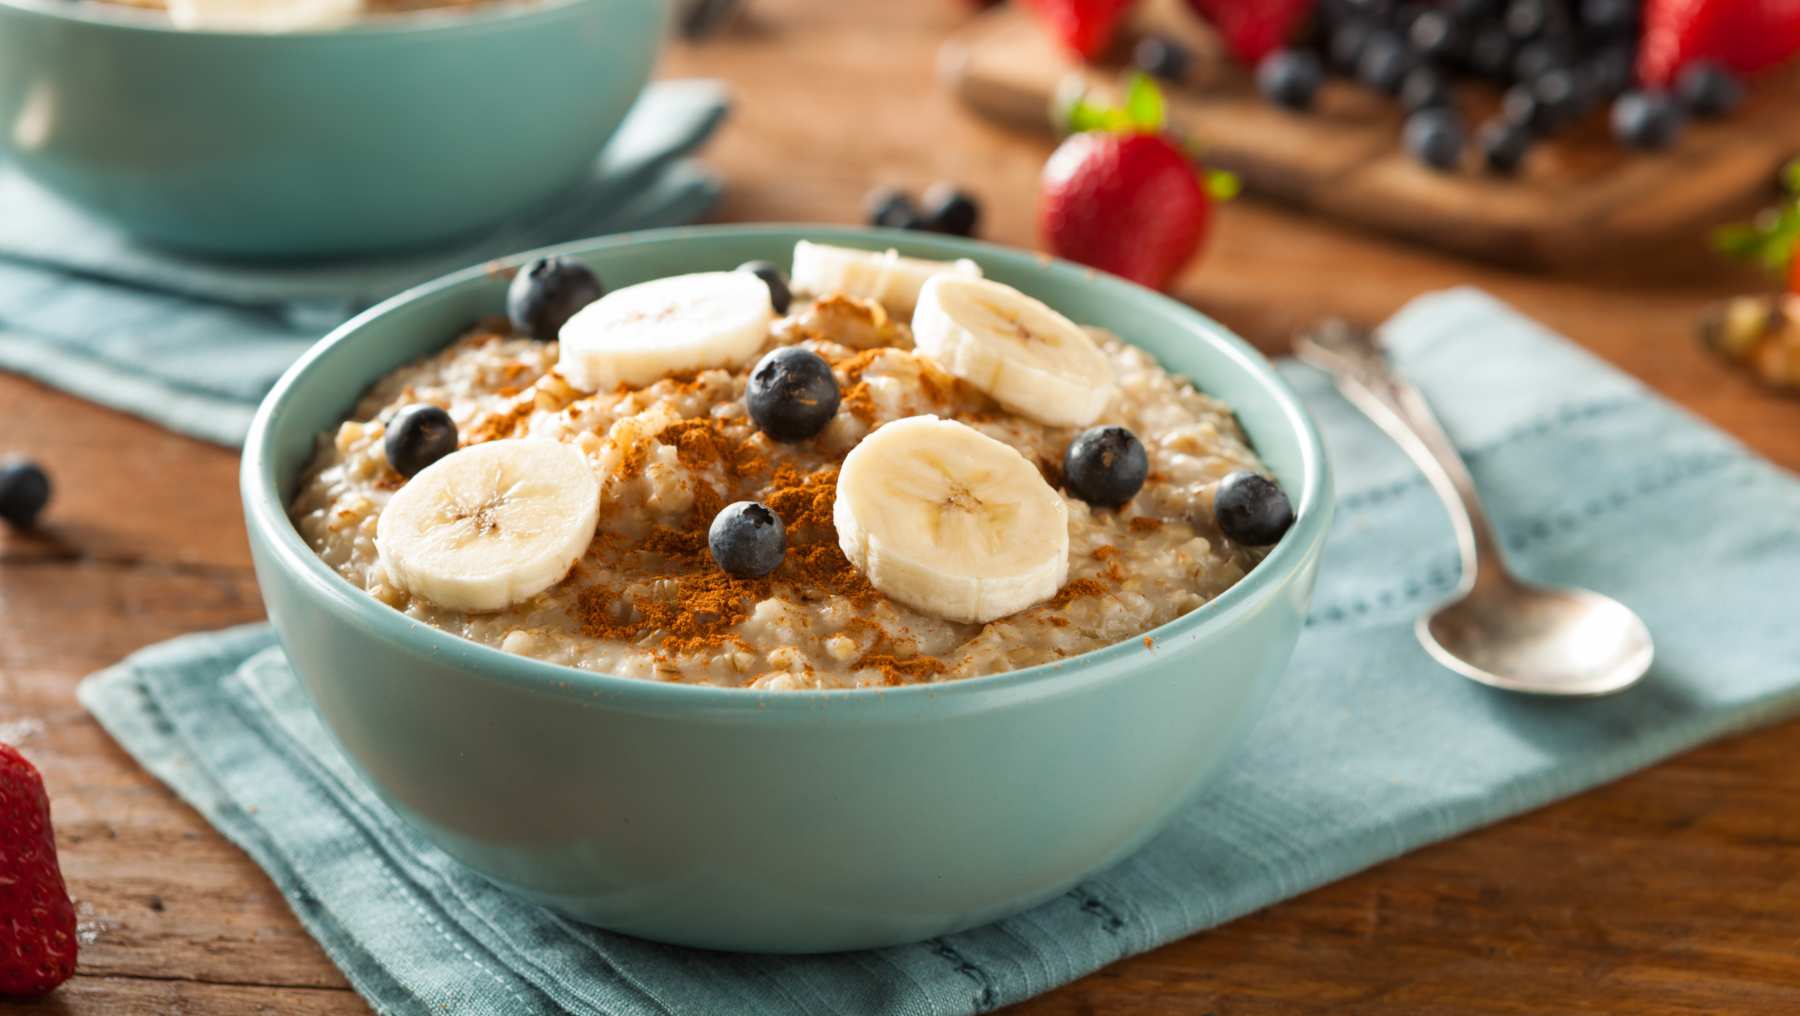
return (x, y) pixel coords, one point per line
(1358, 363)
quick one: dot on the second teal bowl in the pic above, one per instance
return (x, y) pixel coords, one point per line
(385, 136)
(782, 821)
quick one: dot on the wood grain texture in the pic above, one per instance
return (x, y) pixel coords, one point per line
(1578, 196)
(1670, 892)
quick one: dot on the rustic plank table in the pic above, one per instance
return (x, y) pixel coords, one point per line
(1674, 891)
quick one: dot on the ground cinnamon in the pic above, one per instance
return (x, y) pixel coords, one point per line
(698, 611)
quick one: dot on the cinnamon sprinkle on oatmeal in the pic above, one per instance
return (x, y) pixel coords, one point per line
(1145, 524)
(1072, 591)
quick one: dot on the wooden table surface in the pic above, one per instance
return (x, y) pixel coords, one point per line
(1673, 891)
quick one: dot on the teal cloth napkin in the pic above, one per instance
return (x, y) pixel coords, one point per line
(1368, 750)
(193, 344)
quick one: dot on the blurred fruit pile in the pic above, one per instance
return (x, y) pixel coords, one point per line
(1650, 64)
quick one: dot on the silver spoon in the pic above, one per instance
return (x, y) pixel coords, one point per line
(1495, 628)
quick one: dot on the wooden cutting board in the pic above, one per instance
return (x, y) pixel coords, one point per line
(1579, 197)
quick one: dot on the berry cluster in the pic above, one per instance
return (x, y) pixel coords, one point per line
(945, 209)
(1551, 61)
(1554, 61)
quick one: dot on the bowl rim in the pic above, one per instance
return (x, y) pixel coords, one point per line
(125, 17)
(266, 513)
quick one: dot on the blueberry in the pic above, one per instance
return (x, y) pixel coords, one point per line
(1425, 88)
(1470, 11)
(1611, 70)
(703, 18)
(1503, 144)
(1559, 93)
(1290, 78)
(1521, 105)
(1405, 16)
(747, 539)
(1610, 17)
(1162, 57)
(417, 436)
(1434, 137)
(1384, 62)
(1105, 466)
(890, 207)
(1707, 89)
(24, 491)
(1251, 510)
(1436, 35)
(1537, 58)
(1526, 18)
(1346, 45)
(1646, 119)
(792, 394)
(547, 292)
(780, 296)
(1491, 52)
(949, 210)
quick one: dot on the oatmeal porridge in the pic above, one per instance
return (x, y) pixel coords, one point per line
(903, 473)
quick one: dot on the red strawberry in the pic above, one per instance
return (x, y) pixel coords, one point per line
(1130, 204)
(1084, 26)
(1794, 273)
(37, 921)
(1745, 35)
(1252, 29)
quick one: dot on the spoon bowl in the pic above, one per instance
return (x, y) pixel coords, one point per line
(1538, 639)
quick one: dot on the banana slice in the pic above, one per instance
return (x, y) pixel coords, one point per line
(882, 276)
(641, 333)
(1024, 355)
(951, 522)
(490, 525)
(263, 15)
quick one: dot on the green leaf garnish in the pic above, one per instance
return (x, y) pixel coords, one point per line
(1772, 238)
(1790, 177)
(1074, 111)
(1144, 109)
(1221, 185)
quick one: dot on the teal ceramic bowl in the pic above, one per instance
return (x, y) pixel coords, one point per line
(391, 134)
(772, 821)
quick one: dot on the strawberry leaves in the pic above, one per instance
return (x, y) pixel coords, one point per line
(1773, 237)
(1144, 111)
